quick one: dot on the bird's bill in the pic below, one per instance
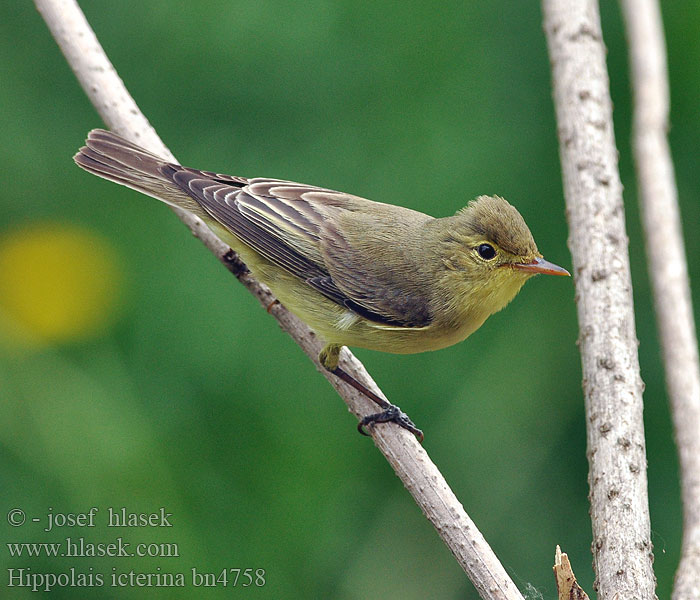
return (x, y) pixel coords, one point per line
(540, 265)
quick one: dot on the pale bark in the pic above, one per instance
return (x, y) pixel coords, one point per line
(410, 461)
(668, 269)
(622, 549)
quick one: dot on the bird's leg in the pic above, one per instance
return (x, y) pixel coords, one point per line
(390, 412)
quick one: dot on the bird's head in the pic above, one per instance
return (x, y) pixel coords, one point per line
(491, 254)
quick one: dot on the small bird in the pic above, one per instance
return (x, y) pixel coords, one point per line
(359, 273)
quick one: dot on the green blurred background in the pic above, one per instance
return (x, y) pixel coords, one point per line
(136, 372)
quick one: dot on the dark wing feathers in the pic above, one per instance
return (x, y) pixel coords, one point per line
(278, 221)
(289, 224)
(220, 200)
(330, 290)
(326, 285)
(274, 210)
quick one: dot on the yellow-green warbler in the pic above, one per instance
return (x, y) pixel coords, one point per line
(359, 273)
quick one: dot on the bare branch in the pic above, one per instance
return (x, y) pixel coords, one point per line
(622, 549)
(411, 463)
(668, 269)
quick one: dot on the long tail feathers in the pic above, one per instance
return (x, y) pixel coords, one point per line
(114, 158)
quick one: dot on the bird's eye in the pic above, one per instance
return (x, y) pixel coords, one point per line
(486, 251)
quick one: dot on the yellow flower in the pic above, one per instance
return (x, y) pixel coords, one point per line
(58, 282)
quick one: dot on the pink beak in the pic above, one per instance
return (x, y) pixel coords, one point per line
(540, 265)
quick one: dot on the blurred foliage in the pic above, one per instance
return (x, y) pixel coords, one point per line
(153, 379)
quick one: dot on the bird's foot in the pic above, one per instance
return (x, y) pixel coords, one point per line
(392, 414)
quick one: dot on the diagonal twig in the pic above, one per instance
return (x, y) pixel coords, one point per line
(410, 461)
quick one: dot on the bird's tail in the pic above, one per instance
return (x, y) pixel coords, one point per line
(112, 157)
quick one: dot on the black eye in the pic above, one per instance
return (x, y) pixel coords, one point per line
(486, 251)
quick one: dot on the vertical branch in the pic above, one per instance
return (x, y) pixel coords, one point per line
(668, 269)
(622, 550)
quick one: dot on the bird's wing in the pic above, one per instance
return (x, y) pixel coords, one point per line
(266, 229)
(375, 272)
(288, 224)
